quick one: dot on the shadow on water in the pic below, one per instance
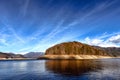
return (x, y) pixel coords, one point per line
(72, 67)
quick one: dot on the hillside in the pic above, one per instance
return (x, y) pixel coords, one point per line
(74, 50)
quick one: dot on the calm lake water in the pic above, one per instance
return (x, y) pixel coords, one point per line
(104, 69)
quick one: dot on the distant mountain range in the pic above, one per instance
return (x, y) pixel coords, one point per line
(27, 55)
(114, 51)
(33, 54)
(10, 55)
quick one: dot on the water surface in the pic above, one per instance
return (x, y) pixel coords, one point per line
(102, 69)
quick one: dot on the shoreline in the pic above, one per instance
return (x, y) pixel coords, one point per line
(74, 57)
(17, 59)
(62, 57)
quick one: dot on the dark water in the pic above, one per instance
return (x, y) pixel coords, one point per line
(105, 69)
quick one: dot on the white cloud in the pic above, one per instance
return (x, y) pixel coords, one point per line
(104, 40)
(115, 39)
(93, 41)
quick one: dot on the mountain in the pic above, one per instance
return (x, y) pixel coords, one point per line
(4, 55)
(10, 55)
(114, 51)
(19, 56)
(33, 54)
(73, 50)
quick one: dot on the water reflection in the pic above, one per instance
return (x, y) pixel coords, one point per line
(103, 69)
(72, 67)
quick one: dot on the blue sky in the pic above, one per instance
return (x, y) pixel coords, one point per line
(35, 25)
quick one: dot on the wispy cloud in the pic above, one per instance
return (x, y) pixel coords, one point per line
(25, 7)
(3, 38)
(3, 41)
(15, 34)
(25, 49)
(53, 32)
(9, 38)
(43, 24)
(10, 29)
(92, 12)
(68, 36)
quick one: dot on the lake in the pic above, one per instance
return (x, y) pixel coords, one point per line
(101, 69)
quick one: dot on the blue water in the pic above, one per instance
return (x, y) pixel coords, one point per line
(104, 69)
